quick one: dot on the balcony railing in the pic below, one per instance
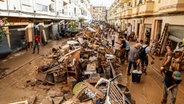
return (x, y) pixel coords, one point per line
(171, 6)
(135, 11)
(122, 14)
(128, 12)
(147, 8)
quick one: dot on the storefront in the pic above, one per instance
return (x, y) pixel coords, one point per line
(4, 48)
(17, 36)
(175, 34)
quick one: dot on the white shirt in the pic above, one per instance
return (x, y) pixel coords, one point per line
(147, 48)
(129, 30)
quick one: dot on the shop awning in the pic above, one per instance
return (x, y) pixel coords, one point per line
(173, 38)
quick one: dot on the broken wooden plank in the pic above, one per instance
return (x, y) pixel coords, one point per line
(20, 102)
(62, 58)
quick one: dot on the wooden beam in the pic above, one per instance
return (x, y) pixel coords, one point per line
(20, 102)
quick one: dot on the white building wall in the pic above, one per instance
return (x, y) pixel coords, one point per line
(44, 9)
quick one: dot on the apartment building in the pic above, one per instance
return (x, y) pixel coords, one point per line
(47, 15)
(99, 13)
(150, 15)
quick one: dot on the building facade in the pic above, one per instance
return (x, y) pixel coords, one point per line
(149, 15)
(99, 13)
(26, 15)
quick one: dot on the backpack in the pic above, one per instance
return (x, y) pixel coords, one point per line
(142, 52)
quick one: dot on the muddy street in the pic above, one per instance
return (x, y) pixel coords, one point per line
(21, 70)
(18, 81)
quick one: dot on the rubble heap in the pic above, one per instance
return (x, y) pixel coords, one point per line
(87, 65)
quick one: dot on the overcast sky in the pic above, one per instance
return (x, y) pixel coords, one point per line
(101, 2)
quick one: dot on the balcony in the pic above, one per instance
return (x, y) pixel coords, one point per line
(135, 11)
(169, 6)
(146, 9)
(122, 14)
(128, 12)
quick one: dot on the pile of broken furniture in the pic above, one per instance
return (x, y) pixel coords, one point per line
(88, 66)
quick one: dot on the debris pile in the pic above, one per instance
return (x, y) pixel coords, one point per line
(87, 65)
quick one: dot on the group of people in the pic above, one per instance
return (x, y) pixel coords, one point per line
(171, 77)
(138, 57)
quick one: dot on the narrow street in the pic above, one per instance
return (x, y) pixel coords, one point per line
(80, 51)
(21, 69)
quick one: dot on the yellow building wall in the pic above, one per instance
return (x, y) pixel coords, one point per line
(176, 20)
(29, 33)
(172, 20)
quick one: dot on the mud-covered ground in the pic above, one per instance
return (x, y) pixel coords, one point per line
(18, 72)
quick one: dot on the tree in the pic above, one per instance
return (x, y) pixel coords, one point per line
(73, 26)
(2, 31)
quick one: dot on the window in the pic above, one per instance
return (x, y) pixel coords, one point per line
(26, 2)
(41, 8)
(159, 1)
(63, 11)
(140, 2)
(75, 11)
(51, 7)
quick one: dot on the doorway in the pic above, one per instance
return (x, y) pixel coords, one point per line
(138, 27)
(147, 32)
(158, 27)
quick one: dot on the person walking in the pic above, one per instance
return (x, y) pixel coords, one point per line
(127, 48)
(113, 38)
(129, 31)
(133, 57)
(119, 30)
(168, 57)
(144, 53)
(36, 43)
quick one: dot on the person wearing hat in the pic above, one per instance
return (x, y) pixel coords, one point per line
(171, 79)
